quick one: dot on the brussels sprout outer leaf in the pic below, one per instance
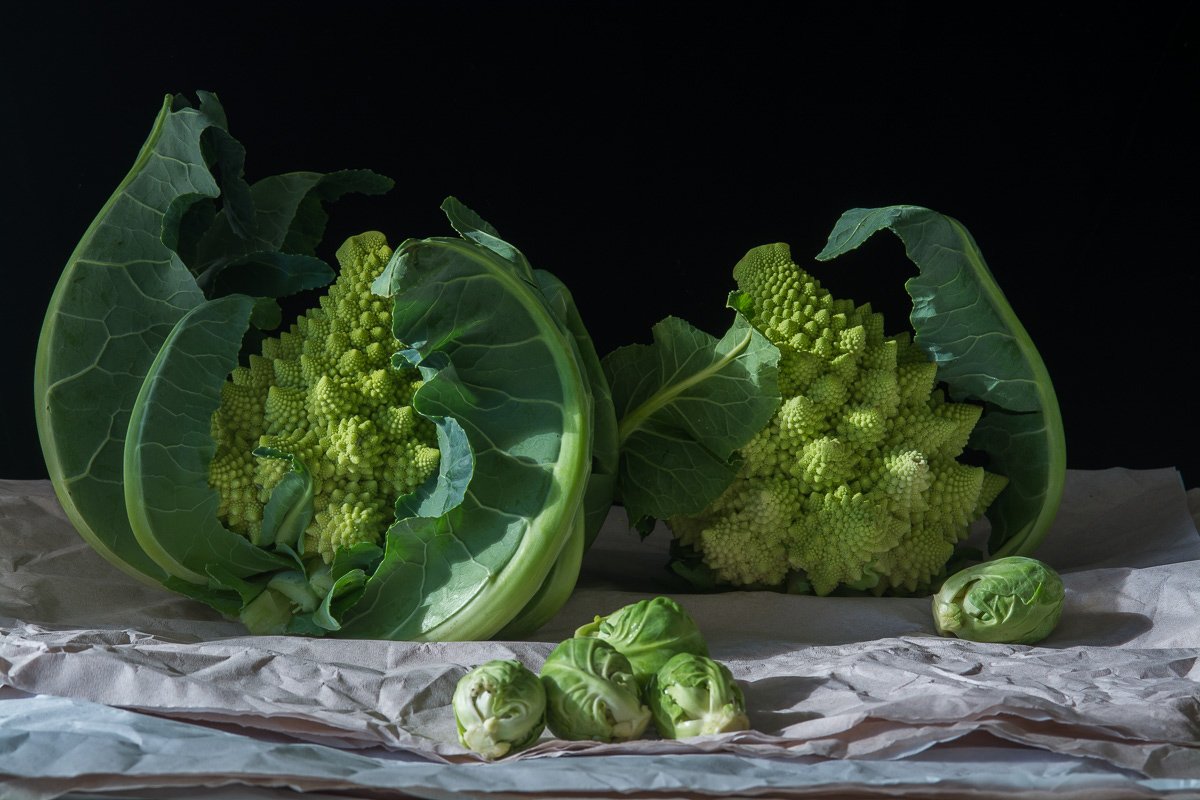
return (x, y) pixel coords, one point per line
(963, 321)
(1014, 600)
(504, 369)
(119, 296)
(171, 507)
(499, 708)
(648, 633)
(591, 693)
(686, 403)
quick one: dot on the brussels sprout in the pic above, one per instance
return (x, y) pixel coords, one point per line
(694, 695)
(500, 708)
(648, 633)
(591, 693)
(1015, 600)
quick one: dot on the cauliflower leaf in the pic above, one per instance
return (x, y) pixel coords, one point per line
(983, 353)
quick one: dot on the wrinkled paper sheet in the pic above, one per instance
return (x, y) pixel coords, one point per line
(106, 684)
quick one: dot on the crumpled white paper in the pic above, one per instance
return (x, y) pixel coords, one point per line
(103, 748)
(856, 680)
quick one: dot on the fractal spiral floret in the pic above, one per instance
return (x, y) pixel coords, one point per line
(325, 393)
(856, 480)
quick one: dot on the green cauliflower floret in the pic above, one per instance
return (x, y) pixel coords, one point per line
(855, 481)
(325, 392)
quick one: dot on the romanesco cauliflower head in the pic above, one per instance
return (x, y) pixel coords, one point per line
(855, 481)
(325, 392)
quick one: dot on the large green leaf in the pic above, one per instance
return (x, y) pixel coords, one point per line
(171, 507)
(279, 250)
(498, 361)
(963, 321)
(602, 484)
(597, 501)
(686, 403)
(264, 274)
(557, 587)
(120, 294)
(127, 285)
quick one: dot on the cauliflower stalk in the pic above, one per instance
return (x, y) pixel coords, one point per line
(325, 393)
(855, 481)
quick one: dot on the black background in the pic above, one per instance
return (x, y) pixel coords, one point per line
(638, 150)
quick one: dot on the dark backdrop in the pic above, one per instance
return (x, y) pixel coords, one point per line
(638, 150)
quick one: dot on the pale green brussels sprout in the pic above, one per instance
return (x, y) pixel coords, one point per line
(500, 708)
(694, 695)
(591, 693)
(1013, 600)
(648, 633)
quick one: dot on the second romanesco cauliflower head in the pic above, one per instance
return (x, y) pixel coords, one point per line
(325, 393)
(855, 481)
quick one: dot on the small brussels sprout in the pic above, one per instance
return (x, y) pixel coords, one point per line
(648, 633)
(1013, 600)
(694, 695)
(591, 693)
(499, 708)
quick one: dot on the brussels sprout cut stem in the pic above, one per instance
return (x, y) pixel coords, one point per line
(694, 695)
(499, 708)
(648, 633)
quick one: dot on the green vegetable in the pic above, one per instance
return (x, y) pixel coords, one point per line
(503, 371)
(857, 479)
(984, 355)
(127, 285)
(1015, 600)
(422, 456)
(648, 633)
(325, 393)
(591, 693)
(499, 708)
(693, 695)
(686, 403)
